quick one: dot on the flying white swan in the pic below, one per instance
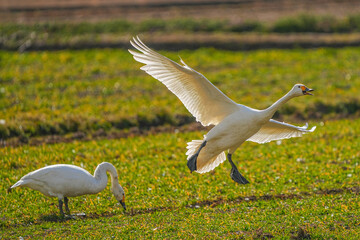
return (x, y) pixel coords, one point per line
(234, 123)
(63, 181)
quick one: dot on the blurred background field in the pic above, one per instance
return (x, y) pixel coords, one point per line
(71, 93)
(61, 92)
(82, 24)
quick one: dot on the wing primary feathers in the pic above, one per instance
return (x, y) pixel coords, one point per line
(203, 100)
(275, 130)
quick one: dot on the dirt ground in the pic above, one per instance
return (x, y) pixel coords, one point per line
(137, 10)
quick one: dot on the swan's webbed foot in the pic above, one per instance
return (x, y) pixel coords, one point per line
(192, 160)
(66, 200)
(237, 177)
(235, 174)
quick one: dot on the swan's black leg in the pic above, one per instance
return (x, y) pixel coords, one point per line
(192, 160)
(66, 200)
(234, 174)
(61, 207)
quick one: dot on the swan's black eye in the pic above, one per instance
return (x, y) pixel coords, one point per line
(298, 86)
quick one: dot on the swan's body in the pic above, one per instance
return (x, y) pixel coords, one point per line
(229, 134)
(63, 180)
(234, 123)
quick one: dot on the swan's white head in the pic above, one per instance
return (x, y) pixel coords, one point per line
(118, 193)
(301, 90)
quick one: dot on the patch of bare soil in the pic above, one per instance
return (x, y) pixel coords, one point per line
(301, 234)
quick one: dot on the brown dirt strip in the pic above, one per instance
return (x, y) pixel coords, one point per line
(132, 132)
(253, 198)
(100, 134)
(178, 41)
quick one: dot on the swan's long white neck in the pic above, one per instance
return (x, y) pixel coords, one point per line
(269, 112)
(101, 176)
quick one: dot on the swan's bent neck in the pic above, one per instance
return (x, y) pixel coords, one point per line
(101, 176)
(270, 111)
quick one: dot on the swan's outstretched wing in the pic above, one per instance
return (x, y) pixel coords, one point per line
(274, 130)
(203, 100)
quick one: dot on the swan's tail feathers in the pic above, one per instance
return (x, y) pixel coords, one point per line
(194, 150)
(203, 163)
(211, 164)
(193, 147)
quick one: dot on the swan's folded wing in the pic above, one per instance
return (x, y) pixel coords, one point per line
(203, 100)
(274, 130)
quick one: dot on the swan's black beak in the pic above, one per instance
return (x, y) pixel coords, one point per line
(123, 204)
(307, 90)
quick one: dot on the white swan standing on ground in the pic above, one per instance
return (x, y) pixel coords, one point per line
(234, 123)
(63, 181)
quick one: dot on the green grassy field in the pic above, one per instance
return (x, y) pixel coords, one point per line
(299, 188)
(63, 92)
(308, 183)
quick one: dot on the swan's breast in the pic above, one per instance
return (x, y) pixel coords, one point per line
(242, 124)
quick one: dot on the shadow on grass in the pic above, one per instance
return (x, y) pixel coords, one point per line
(58, 218)
(219, 201)
(53, 218)
(269, 197)
(198, 204)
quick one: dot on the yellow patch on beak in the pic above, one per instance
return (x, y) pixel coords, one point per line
(303, 88)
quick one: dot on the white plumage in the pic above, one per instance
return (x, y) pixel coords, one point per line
(203, 100)
(274, 130)
(63, 180)
(234, 123)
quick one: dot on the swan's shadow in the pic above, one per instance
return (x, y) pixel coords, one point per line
(52, 218)
(55, 217)
(58, 218)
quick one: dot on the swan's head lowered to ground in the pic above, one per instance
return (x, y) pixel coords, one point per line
(300, 90)
(118, 192)
(64, 180)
